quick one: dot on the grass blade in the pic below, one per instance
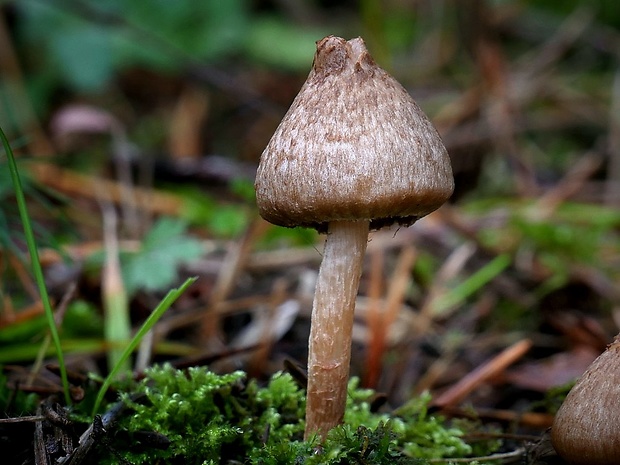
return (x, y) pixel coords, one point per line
(35, 263)
(153, 318)
(459, 293)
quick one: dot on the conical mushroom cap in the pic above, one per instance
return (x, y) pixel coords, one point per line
(353, 145)
(586, 430)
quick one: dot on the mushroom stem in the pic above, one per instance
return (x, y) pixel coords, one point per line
(329, 352)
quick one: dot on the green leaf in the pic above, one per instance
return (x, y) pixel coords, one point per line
(85, 57)
(228, 221)
(164, 249)
(222, 220)
(86, 43)
(276, 42)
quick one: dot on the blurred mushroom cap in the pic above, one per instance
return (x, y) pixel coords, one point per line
(585, 430)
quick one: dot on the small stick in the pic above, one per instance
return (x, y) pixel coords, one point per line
(235, 261)
(484, 372)
(535, 420)
(81, 185)
(384, 317)
(374, 319)
(515, 454)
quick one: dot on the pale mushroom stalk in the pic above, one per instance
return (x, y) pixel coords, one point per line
(333, 309)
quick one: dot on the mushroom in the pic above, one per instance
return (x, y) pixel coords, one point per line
(585, 430)
(353, 153)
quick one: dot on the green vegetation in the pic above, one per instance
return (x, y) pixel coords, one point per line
(212, 419)
(525, 94)
(37, 270)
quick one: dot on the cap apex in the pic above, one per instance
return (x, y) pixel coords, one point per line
(335, 54)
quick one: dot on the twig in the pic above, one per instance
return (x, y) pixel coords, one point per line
(374, 318)
(484, 372)
(236, 258)
(528, 419)
(97, 429)
(40, 452)
(59, 314)
(566, 35)
(572, 183)
(513, 456)
(75, 184)
(450, 268)
(30, 418)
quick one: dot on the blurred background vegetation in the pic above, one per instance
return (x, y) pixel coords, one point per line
(139, 125)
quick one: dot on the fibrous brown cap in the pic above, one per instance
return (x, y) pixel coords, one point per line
(353, 145)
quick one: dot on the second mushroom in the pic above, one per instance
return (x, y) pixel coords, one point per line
(353, 153)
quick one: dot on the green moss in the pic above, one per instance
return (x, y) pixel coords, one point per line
(417, 433)
(225, 419)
